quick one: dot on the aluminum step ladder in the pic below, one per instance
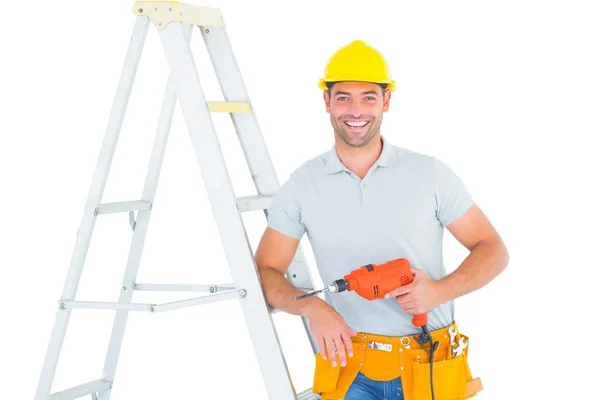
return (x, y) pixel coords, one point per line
(175, 23)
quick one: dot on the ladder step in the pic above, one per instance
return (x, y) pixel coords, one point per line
(102, 305)
(254, 203)
(229, 107)
(123, 206)
(77, 392)
(308, 395)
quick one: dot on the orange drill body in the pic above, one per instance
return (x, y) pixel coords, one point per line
(373, 281)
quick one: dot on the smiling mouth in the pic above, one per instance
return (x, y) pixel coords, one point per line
(356, 124)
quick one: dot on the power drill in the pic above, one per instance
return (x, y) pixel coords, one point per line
(373, 281)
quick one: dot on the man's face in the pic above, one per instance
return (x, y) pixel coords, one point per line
(356, 110)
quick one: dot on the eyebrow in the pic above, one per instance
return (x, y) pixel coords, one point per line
(348, 94)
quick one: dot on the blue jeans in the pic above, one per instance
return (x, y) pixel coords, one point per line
(364, 388)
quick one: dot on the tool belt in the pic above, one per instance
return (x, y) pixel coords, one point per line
(385, 358)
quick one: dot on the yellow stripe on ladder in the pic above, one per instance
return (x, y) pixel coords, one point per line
(229, 107)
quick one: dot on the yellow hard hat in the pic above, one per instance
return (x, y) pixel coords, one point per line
(357, 61)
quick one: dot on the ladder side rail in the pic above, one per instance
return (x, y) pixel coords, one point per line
(94, 198)
(141, 226)
(229, 220)
(252, 142)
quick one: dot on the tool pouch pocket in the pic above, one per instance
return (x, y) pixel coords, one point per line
(333, 382)
(326, 376)
(450, 377)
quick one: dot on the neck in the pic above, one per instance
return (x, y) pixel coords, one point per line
(359, 159)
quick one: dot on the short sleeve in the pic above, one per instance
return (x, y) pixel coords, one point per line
(284, 213)
(452, 198)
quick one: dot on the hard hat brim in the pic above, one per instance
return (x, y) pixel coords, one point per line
(391, 85)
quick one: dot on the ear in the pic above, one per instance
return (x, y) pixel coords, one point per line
(326, 99)
(386, 100)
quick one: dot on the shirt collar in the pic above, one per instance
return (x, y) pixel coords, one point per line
(333, 163)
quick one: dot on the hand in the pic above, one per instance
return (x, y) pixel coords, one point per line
(418, 297)
(331, 333)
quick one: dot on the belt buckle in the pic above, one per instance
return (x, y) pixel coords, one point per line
(380, 346)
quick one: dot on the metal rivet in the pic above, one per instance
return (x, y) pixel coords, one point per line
(141, 10)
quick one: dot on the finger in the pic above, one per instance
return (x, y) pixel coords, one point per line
(341, 351)
(404, 299)
(407, 307)
(416, 272)
(400, 291)
(348, 343)
(331, 351)
(322, 347)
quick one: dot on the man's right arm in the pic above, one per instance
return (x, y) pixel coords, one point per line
(274, 254)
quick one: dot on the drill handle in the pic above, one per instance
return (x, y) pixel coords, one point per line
(420, 320)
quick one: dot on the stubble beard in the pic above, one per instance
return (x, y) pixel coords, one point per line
(349, 138)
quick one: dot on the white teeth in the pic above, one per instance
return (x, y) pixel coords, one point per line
(356, 124)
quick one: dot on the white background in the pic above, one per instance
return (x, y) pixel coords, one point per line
(507, 93)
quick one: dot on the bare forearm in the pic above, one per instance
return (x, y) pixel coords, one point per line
(484, 263)
(281, 294)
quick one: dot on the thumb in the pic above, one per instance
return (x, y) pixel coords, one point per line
(416, 272)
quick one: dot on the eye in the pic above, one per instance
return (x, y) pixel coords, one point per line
(342, 98)
(371, 98)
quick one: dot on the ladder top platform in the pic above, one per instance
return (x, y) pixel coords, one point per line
(162, 12)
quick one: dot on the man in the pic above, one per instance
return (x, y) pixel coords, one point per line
(367, 201)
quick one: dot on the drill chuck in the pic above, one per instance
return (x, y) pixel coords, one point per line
(339, 285)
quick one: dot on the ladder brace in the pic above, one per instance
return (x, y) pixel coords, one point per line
(102, 305)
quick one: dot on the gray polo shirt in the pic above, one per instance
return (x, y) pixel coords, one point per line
(398, 210)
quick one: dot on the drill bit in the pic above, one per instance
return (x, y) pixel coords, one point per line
(312, 293)
(339, 285)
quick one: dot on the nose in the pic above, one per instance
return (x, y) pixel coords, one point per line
(355, 109)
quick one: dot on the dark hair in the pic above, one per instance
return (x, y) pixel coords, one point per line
(330, 84)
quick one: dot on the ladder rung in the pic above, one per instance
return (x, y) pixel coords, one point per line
(76, 392)
(103, 305)
(308, 395)
(229, 107)
(253, 203)
(123, 206)
(172, 287)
